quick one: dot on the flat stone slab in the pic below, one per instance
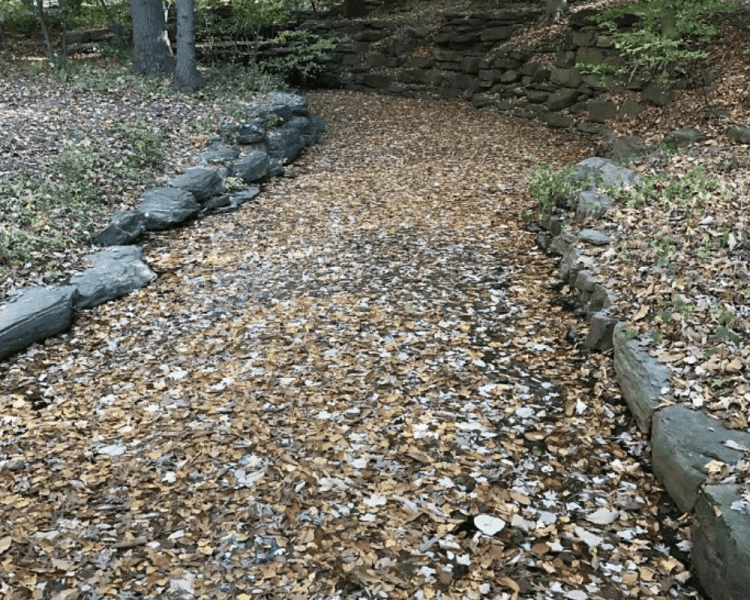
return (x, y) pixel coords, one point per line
(117, 271)
(37, 313)
(683, 442)
(721, 542)
(593, 237)
(124, 227)
(220, 154)
(603, 172)
(641, 377)
(252, 167)
(166, 207)
(201, 182)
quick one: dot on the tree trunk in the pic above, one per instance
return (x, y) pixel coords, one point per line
(153, 56)
(186, 70)
(45, 32)
(354, 9)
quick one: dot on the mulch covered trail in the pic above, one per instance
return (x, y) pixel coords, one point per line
(359, 387)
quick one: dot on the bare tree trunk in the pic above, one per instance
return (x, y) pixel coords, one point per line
(354, 9)
(153, 56)
(186, 70)
(45, 33)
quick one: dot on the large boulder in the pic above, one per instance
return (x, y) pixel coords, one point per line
(124, 227)
(721, 546)
(601, 172)
(251, 132)
(166, 207)
(37, 313)
(252, 167)
(683, 442)
(642, 379)
(117, 271)
(288, 140)
(562, 99)
(201, 182)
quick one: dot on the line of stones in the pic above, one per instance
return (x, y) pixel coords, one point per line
(683, 440)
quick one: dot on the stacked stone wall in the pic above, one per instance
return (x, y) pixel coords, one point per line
(467, 56)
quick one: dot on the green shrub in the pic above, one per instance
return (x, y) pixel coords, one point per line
(302, 54)
(667, 32)
(553, 189)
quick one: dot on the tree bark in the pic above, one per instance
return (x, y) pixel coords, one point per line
(153, 56)
(186, 69)
(45, 32)
(354, 9)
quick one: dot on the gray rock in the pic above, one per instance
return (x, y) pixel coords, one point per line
(37, 313)
(623, 150)
(562, 244)
(601, 110)
(562, 99)
(276, 168)
(537, 96)
(631, 108)
(217, 203)
(295, 102)
(585, 281)
(124, 227)
(496, 34)
(569, 78)
(720, 534)
(739, 133)
(166, 207)
(220, 155)
(568, 262)
(685, 137)
(202, 183)
(658, 94)
(252, 167)
(590, 203)
(593, 237)
(117, 271)
(683, 441)
(601, 328)
(240, 198)
(287, 141)
(641, 377)
(557, 120)
(605, 173)
(594, 129)
(251, 132)
(600, 298)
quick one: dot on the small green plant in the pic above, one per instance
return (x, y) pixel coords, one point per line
(148, 145)
(273, 121)
(303, 54)
(233, 184)
(657, 337)
(723, 329)
(664, 249)
(553, 189)
(707, 250)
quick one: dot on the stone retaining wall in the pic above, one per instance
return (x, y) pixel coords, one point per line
(467, 57)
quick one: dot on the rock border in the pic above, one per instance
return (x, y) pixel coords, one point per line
(683, 441)
(36, 313)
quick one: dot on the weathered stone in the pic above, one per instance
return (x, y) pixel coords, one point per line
(537, 96)
(601, 110)
(593, 237)
(553, 119)
(683, 442)
(631, 108)
(481, 101)
(591, 203)
(658, 94)
(202, 183)
(497, 34)
(509, 77)
(459, 80)
(288, 140)
(593, 82)
(166, 207)
(296, 103)
(37, 313)
(601, 298)
(594, 128)
(375, 60)
(377, 81)
(124, 227)
(220, 155)
(584, 38)
(569, 260)
(562, 99)
(685, 137)
(570, 78)
(604, 172)
(251, 132)
(117, 271)
(590, 56)
(585, 281)
(642, 379)
(252, 167)
(506, 63)
(623, 150)
(562, 244)
(470, 64)
(601, 328)
(419, 62)
(721, 550)
(739, 133)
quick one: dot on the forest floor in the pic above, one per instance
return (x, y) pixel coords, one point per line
(361, 386)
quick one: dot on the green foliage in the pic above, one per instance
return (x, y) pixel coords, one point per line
(303, 54)
(667, 32)
(148, 145)
(552, 188)
(235, 82)
(50, 210)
